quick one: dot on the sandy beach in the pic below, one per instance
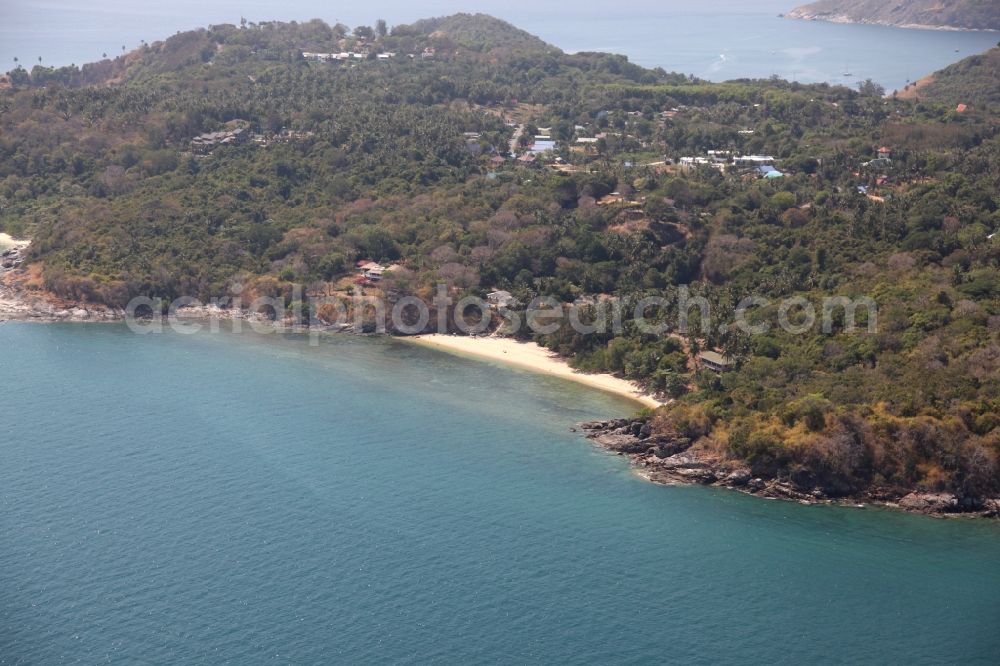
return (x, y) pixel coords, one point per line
(531, 356)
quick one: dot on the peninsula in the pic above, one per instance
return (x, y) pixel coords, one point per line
(924, 14)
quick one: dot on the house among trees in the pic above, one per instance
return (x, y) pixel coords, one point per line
(501, 299)
(693, 162)
(371, 270)
(753, 160)
(543, 146)
(714, 361)
(879, 163)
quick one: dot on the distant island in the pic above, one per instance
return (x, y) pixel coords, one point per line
(927, 14)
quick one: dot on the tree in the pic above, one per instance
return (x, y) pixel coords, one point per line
(869, 88)
(364, 32)
(381, 28)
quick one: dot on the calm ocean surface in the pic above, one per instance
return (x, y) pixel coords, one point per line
(248, 499)
(716, 40)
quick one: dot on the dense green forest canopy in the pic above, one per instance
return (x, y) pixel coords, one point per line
(401, 153)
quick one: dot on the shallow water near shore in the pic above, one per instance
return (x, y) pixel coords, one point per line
(251, 499)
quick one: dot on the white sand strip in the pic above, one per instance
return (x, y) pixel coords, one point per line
(531, 356)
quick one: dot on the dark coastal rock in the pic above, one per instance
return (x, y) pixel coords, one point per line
(930, 502)
(666, 448)
(695, 475)
(683, 461)
(621, 443)
(12, 257)
(684, 468)
(612, 424)
(991, 508)
(738, 478)
(785, 491)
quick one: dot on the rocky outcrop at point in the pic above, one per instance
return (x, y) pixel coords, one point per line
(12, 257)
(671, 459)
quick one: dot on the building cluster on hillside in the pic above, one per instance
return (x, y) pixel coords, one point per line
(728, 161)
(327, 57)
(426, 54)
(286, 136)
(346, 55)
(543, 142)
(205, 143)
(238, 132)
(875, 175)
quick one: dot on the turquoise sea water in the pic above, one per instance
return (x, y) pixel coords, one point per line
(716, 40)
(248, 499)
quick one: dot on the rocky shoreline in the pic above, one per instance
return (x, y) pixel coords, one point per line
(674, 460)
(19, 302)
(845, 19)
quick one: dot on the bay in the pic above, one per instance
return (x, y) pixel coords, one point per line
(239, 498)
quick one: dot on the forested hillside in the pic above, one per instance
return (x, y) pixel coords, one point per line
(393, 145)
(972, 81)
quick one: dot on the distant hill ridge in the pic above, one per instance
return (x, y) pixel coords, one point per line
(940, 14)
(480, 32)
